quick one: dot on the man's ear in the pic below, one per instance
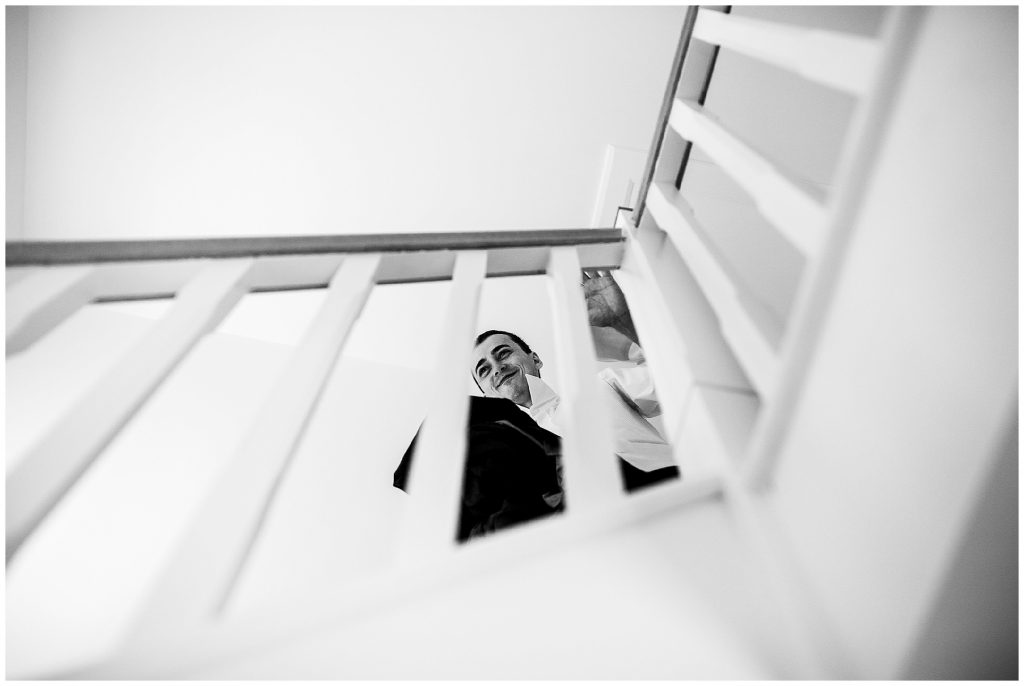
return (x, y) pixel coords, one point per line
(536, 358)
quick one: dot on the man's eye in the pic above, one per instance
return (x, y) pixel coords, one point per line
(503, 354)
(483, 371)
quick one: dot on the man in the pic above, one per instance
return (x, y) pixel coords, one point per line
(506, 367)
(512, 472)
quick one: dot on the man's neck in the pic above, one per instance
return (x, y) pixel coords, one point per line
(540, 393)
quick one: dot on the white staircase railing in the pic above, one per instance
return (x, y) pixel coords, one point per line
(728, 372)
(771, 353)
(198, 575)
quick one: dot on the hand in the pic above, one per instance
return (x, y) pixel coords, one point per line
(606, 305)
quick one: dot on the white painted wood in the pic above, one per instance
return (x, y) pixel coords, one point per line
(770, 266)
(842, 61)
(663, 348)
(811, 307)
(74, 586)
(674, 383)
(692, 86)
(146, 279)
(750, 328)
(717, 427)
(708, 356)
(718, 424)
(919, 333)
(14, 274)
(698, 69)
(163, 278)
(235, 637)
(797, 215)
(201, 572)
(130, 280)
(689, 79)
(42, 300)
(670, 157)
(437, 265)
(41, 477)
(633, 635)
(642, 626)
(435, 476)
(590, 472)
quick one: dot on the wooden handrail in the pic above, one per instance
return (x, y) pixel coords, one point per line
(700, 80)
(33, 253)
(703, 80)
(666, 109)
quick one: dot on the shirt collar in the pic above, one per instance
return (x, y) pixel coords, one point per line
(543, 398)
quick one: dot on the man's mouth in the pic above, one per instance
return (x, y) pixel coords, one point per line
(506, 377)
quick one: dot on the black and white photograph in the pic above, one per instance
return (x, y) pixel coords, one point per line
(511, 342)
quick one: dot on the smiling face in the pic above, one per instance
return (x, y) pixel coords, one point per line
(500, 366)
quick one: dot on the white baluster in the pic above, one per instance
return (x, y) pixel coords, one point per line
(842, 61)
(38, 302)
(435, 476)
(797, 215)
(204, 568)
(591, 475)
(39, 478)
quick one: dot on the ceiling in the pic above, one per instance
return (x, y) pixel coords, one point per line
(141, 122)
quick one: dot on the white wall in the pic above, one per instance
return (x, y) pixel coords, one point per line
(202, 121)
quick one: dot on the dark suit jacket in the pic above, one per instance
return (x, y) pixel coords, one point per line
(513, 470)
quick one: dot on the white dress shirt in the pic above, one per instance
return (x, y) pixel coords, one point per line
(630, 402)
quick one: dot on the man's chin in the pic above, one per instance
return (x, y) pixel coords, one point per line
(516, 393)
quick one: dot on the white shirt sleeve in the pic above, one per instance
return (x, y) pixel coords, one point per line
(636, 384)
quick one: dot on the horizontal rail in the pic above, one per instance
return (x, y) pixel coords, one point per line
(841, 61)
(797, 215)
(25, 253)
(42, 300)
(154, 279)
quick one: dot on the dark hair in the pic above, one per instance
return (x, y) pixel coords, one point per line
(492, 332)
(519, 341)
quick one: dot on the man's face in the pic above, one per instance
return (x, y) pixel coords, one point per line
(500, 367)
